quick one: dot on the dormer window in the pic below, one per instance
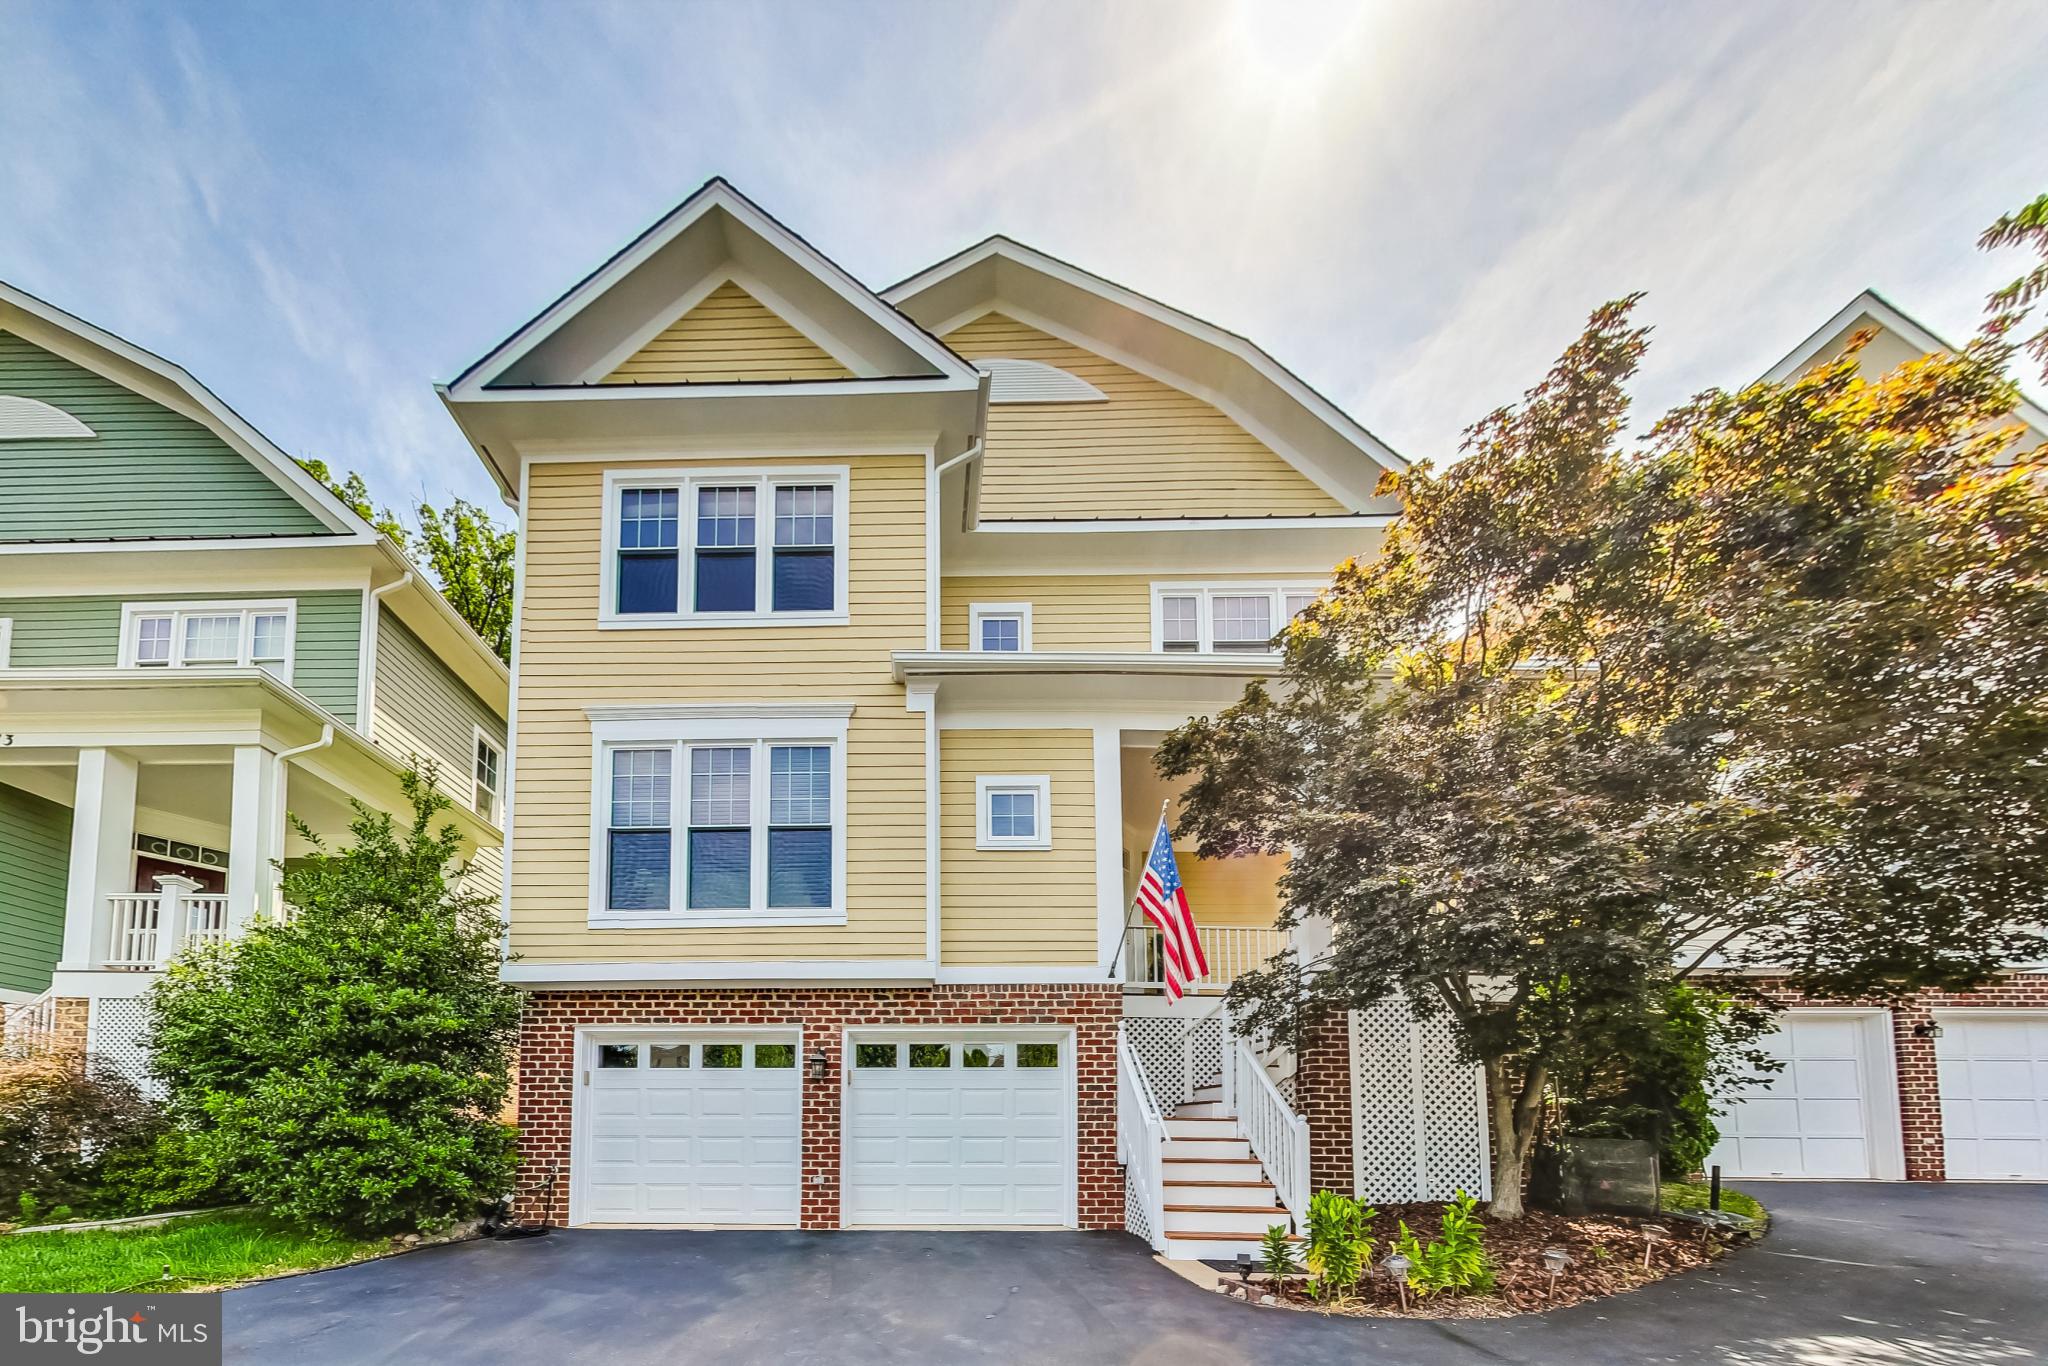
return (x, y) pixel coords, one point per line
(725, 548)
(208, 635)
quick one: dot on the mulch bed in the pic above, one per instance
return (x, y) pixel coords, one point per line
(1606, 1252)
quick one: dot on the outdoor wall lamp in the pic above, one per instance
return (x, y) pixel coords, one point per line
(815, 1063)
(1927, 1029)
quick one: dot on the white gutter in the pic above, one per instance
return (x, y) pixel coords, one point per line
(366, 705)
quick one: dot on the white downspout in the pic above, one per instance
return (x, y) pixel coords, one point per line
(367, 706)
(278, 780)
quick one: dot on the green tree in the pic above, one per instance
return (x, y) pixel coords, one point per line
(346, 1067)
(472, 559)
(1767, 688)
(2011, 306)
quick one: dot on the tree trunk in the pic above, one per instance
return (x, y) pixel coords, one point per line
(1514, 1134)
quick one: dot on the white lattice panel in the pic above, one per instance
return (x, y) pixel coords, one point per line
(1137, 1216)
(1418, 1114)
(1173, 1052)
(117, 1039)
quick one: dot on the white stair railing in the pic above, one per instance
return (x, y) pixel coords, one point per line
(1278, 1136)
(1141, 1146)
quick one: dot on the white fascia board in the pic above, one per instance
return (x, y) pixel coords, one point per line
(909, 664)
(765, 388)
(716, 194)
(1069, 526)
(1241, 347)
(210, 411)
(1892, 319)
(848, 972)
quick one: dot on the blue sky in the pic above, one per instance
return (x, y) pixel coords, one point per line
(320, 209)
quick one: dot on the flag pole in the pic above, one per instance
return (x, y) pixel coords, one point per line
(1125, 937)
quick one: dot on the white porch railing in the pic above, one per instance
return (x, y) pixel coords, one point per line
(139, 920)
(1279, 1136)
(28, 1027)
(1232, 951)
(1141, 1147)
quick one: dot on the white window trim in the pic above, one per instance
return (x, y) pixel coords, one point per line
(686, 480)
(679, 728)
(1277, 592)
(987, 784)
(6, 642)
(480, 737)
(977, 612)
(249, 609)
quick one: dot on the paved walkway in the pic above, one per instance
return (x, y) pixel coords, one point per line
(1852, 1275)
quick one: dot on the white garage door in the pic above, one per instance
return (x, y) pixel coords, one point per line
(1809, 1119)
(684, 1129)
(1994, 1095)
(967, 1131)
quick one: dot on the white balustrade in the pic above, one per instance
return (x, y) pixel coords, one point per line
(133, 942)
(1279, 1136)
(138, 922)
(1232, 951)
(1141, 1146)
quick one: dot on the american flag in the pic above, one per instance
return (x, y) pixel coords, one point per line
(1165, 904)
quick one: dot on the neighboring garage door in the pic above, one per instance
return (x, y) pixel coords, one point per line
(1808, 1119)
(690, 1129)
(967, 1130)
(1994, 1094)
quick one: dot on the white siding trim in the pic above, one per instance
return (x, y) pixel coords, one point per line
(761, 972)
(1110, 912)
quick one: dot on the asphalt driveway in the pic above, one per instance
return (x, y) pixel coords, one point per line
(1852, 1275)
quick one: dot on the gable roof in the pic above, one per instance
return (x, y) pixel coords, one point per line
(1871, 309)
(1214, 364)
(740, 233)
(173, 386)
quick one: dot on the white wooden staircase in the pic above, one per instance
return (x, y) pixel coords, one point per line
(1208, 1177)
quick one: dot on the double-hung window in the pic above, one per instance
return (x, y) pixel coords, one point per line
(711, 824)
(725, 547)
(208, 635)
(490, 764)
(1225, 618)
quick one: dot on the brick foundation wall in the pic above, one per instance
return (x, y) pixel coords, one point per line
(1322, 1096)
(547, 1070)
(1913, 1055)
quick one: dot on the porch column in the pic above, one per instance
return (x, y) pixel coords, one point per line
(255, 836)
(102, 852)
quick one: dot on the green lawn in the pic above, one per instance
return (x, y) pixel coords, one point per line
(1689, 1195)
(202, 1251)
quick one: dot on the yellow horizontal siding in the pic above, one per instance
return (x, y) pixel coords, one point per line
(1068, 612)
(730, 337)
(1017, 906)
(1229, 891)
(567, 664)
(1152, 450)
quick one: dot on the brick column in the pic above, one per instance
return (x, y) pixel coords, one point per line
(69, 1015)
(1322, 1095)
(1919, 1092)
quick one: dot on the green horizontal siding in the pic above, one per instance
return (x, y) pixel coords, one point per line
(147, 472)
(425, 710)
(85, 633)
(35, 857)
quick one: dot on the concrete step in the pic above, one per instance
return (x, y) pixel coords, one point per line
(1174, 1169)
(1258, 1195)
(1180, 1125)
(1209, 1219)
(1210, 1246)
(1206, 1149)
(1201, 1109)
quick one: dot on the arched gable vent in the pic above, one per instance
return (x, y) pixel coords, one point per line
(1032, 381)
(31, 419)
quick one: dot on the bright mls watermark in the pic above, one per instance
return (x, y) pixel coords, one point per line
(168, 1330)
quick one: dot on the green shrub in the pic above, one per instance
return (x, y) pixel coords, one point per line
(58, 1124)
(1455, 1261)
(1276, 1253)
(346, 1068)
(1339, 1251)
(171, 1167)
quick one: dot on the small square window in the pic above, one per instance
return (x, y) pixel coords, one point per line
(999, 628)
(1038, 1055)
(722, 1055)
(931, 1055)
(774, 1055)
(1180, 625)
(668, 1055)
(153, 641)
(984, 1055)
(874, 1055)
(1014, 813)
(610, 1055)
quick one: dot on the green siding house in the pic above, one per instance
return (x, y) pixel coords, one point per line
(197, 639)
